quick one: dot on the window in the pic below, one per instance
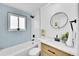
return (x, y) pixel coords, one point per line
(16, 22)
(22, 22)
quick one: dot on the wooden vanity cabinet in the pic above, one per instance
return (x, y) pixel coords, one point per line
(47, 50)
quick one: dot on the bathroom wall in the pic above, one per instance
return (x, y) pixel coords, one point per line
(50, 9)
(8, 38)
(36, 24)
(71, 9)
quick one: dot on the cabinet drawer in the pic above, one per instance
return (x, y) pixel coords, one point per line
(44, 54)
(53, 51)
(47, 52)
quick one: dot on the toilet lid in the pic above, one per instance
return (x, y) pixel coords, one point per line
(34, 51)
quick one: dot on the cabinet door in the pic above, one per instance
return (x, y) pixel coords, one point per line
(51, 51)
(44, 53)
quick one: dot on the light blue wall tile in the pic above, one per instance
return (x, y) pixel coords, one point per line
(7, 38)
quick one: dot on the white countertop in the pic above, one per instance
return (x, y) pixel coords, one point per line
(59, 45)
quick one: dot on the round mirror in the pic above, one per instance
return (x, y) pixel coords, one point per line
(59, 20)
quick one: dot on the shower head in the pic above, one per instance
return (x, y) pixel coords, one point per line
(32, 16)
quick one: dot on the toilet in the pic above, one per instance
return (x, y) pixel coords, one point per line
(34, 51)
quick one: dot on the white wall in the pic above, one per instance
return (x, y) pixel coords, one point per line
(36, 24)
(47, 11)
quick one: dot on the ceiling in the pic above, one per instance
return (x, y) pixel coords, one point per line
(28, 7)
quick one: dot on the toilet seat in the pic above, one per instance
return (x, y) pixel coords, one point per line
(34, 52)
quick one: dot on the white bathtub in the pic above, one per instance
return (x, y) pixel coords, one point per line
(18, 50)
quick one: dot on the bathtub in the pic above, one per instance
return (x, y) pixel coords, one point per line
(19, 50)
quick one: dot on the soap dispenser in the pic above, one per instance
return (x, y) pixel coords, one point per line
(56, 38)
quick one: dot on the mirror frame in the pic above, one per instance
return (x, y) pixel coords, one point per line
(57, 14)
